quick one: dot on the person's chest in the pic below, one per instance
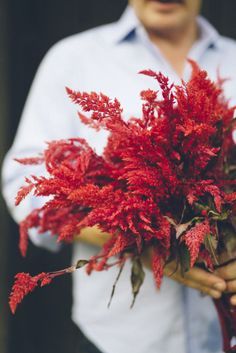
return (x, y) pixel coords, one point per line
(114, 71)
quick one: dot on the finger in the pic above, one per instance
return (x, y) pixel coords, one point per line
(206, 279)
(212, 293)
(233, 300)
(227, 272)
(231, 286)
(189, 282)
(215, 294)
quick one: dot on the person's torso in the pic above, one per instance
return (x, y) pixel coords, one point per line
(157, 323)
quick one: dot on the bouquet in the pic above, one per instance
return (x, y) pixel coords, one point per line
(166, 181)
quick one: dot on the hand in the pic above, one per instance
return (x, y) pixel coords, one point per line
(92, 236)
(228, 273)
(207, 283)
(197, 278)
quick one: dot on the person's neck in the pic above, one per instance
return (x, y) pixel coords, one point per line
(175, 45)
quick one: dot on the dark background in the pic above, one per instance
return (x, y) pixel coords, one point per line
(28, 28)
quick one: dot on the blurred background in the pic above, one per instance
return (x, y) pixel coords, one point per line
(28, 28)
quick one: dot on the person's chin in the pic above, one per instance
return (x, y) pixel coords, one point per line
(160, 22)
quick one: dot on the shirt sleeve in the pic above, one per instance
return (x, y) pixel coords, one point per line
(47, 115)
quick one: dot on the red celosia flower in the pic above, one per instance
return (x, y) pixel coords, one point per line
(159, 258)
(25, 284)
(172, 168)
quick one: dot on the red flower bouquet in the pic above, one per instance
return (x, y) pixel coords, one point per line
(165, 181)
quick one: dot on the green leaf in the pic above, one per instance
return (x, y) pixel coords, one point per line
(81, 263)
(228, 235)
(137, 277)
(184, 257)
(181, 228)
(211, 245)
(223, 216)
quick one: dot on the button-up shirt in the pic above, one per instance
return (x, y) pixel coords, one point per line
(108, 59)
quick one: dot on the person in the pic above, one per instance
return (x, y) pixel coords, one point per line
(151, 34)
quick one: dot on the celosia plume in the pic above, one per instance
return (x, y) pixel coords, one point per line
(165, 180)
(25, 284)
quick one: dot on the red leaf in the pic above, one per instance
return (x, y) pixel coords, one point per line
(30, 161)
(24, 191)
(31, 221)
(121, 243)
(205, 256)
(230, 198)
(158, 262)
(194, 237)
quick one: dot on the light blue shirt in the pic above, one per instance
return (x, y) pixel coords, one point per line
(108, 59)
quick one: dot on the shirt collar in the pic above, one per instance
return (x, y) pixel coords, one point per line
(128, 23)
(208, 34)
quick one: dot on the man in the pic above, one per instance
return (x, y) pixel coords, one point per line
(153, 34)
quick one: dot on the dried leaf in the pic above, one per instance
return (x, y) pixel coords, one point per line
(114, 285)
(184, 259)
(81, 263)
(223, 216)
(181, 228)
(211, 244)
(137, 277)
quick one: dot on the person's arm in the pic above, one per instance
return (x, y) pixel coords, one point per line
(93, 236)
(48, 115)
(205, 282)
